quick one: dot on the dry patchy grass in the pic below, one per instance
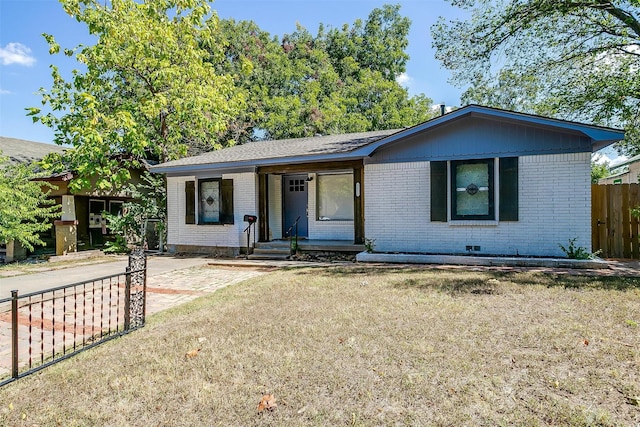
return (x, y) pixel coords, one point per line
(362, 346)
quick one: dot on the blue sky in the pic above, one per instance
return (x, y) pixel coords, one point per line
(25, 59)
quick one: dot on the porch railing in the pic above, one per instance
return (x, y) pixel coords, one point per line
(293, 240)
(41, 328)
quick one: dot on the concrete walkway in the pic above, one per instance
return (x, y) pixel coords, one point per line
(171, 281)
(51, 275)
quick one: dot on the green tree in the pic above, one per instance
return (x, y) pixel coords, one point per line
(149, 201)
(599, 171)
(571, 59)
(144, 91)
(378, 44)
(26, 209)
(336, 81)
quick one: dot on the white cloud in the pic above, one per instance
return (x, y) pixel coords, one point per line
(5, 92)
(16, 53)
(611, 158)
(600, 158)
(618, 160)
(404, 79)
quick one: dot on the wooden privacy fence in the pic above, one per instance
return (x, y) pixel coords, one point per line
(614, 231)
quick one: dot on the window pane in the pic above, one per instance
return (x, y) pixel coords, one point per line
(115, 207)
(472, 189)
(335, 197)
(96, 206)
(209, 201)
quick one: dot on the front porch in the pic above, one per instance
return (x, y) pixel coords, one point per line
(320, 203)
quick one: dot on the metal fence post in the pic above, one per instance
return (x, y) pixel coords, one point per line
(127, 300)
(144, 291)
(14, 333)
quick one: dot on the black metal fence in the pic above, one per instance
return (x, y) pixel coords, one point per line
(41, 328)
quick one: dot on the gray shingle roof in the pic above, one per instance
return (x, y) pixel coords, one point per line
(283, 149)
(22, 151)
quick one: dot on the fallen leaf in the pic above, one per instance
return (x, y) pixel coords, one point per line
(193, 353)
(267, 402)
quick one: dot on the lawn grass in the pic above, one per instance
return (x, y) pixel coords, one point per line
(362, 346)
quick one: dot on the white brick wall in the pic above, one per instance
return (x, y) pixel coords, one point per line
(554, 206)
(224, 236)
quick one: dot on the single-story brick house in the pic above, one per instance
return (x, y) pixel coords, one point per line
(477, 180)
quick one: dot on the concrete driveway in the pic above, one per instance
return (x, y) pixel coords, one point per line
(52, 275)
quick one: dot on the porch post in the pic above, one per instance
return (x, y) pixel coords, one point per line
(358, 207)
(263, 208)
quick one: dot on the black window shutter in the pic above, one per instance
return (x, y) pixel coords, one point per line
(226, 201)
(190, 202)
(509, 189)
(439, 191)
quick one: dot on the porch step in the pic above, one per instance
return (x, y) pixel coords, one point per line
(271, 250)
(275, 244)
(269, 256)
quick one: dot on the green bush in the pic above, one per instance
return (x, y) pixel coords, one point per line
(577, 252)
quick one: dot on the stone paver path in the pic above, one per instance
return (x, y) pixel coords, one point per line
(48, 330)
(179, 286)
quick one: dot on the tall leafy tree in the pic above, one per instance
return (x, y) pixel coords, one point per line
(572, 59)
(25, 210)
(145, 89)
(335, 81)
(378, 44)
(599, 171)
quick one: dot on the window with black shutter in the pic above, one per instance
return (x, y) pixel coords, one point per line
(439, 191)
(508, 189)
(226, 201)
(471, 190)
(472, 195)
(215, 201)
(190, 202)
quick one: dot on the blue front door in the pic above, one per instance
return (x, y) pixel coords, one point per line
(294, 190)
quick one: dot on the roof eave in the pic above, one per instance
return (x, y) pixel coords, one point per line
(600, 136)
(230, 166)
(600, 141)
